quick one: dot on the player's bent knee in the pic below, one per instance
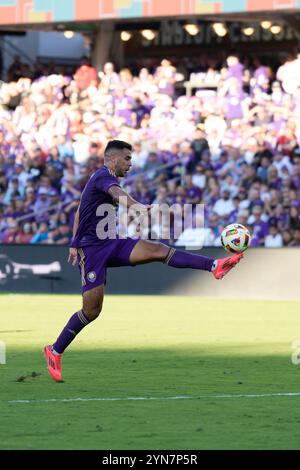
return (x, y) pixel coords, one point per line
(161, 252)
(92, 312)
(92, 303)
(156, 251)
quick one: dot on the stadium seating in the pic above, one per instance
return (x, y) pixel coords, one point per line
(234, 148)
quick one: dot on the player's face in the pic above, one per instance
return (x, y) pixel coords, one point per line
(123, 163)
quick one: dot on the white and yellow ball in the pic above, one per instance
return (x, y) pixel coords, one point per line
(235, 238)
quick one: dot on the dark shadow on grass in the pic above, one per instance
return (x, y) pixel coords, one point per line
(203, 422)
(157, 372)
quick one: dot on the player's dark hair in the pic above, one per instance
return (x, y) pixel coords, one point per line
(117, 145)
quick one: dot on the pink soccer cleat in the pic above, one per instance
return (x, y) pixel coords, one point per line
(53, 363)
(225, 265)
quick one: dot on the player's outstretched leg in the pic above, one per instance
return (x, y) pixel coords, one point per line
(219, 267)
(92, 306)
(147, 252)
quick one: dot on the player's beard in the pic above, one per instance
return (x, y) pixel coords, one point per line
(121, 173)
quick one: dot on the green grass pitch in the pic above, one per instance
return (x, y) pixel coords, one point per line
(163, 348)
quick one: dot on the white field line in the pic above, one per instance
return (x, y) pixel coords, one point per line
(183, 397)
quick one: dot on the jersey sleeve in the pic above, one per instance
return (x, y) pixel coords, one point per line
(104, 182)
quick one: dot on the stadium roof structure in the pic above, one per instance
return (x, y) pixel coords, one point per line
(43, 13)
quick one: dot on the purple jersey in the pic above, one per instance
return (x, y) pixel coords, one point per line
(94, 194)
(193, 192)
(236, 71)
(260, 229)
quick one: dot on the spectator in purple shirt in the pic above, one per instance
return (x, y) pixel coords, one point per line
(140, 110)
(235, 69)
(192, 192)
(165, 77)
(234, 99)
(262, 76)
(260, 229)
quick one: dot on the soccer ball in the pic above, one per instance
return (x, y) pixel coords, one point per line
(235, 238)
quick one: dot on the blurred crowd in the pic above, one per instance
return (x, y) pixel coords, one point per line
(233, 147)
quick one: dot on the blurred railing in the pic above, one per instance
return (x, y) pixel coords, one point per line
(13, 50)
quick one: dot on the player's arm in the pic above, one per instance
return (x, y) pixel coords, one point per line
(122, 197)
(76, 223)
(73, 251)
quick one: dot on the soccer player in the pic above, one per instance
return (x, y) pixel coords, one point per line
(95, 254)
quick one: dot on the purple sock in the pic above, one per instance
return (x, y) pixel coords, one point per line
(76, 323)
(183, 259)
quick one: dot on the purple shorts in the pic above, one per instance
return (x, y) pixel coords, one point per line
(94, 260)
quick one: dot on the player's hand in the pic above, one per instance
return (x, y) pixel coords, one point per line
(72, 256)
